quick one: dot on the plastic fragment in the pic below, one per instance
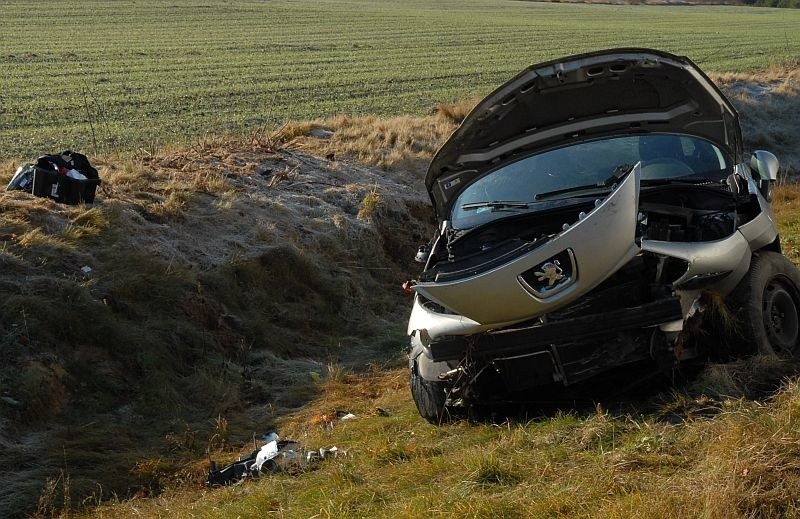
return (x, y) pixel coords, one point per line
(268, 451)
(272, 457)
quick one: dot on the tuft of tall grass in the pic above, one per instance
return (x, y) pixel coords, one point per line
(405, 141)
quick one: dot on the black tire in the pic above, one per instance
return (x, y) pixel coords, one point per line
(430, 397)
(766, 304)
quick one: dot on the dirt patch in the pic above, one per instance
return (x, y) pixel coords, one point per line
(752, 90)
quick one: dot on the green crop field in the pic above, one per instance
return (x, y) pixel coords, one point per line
(145, 73)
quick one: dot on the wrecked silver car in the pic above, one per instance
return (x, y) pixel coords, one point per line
(595, 211)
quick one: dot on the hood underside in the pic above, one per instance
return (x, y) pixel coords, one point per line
(579, 98)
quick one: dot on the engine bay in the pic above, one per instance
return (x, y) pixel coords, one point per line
(678, 214)
(673, 213)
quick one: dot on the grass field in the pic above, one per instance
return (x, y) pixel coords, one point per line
(147, 73)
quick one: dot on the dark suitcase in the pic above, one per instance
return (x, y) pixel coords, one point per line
(62, 188)
(45, 183)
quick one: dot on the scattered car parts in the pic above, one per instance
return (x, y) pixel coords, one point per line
(273, 456)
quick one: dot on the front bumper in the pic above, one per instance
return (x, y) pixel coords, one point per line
(541, 337)
(567, 351)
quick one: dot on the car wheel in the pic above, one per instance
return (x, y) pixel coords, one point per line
(766, 304)
(430, 397)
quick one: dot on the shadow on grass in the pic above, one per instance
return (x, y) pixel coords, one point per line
(642, 390)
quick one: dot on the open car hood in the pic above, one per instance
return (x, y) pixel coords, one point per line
(579, 98)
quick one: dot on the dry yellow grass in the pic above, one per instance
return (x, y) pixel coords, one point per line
(400, 142)
(769, 106)
(786, 206)
(768, 102)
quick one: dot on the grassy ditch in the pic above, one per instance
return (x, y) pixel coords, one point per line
(685, 455)
(225, 279)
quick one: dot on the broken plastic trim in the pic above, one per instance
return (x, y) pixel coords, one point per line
(701, 281)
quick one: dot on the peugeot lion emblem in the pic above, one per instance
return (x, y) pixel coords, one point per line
(551, 272)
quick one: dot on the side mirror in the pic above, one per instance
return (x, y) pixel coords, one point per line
(765, 166)
(422, 254)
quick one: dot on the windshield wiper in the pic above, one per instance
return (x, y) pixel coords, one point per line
(681, 180)
(591, 189)
(508, 204)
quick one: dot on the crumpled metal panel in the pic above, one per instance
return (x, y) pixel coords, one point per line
(723, 255)
(600, 243)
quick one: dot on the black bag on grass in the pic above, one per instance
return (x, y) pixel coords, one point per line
(68, 178)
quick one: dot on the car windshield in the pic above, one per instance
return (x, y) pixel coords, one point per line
(585, 169)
